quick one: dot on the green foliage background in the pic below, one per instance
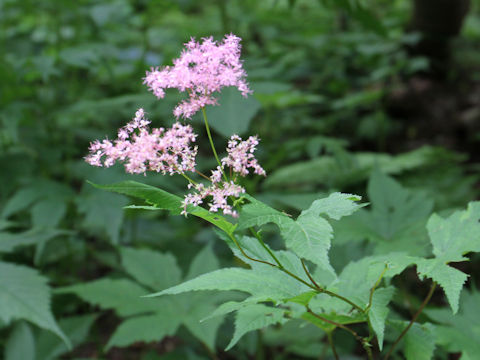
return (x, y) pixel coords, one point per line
(74, 263)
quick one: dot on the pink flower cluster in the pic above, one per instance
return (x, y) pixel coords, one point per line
(220, 192)
(166, 151)
(202, 69)
(240, 158)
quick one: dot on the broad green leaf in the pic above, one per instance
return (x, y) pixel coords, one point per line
(338, 318)
(122, 295)
(48, 212)
(76, 328)
(34, 236)
(20, 343)
(234, 114)
(451, 238)
(420, 342)
(255, 317)
(449, 278)
(103, 211)
(257, 213)
(379, 310)
(153, 269)
(198, 306)
(309, 236)
(336, 205)
(24, 294)
(145, 328)
(460, 332)
(152, 195)
(397, 219)
(204, 262)
(456, 235)
(329, 170)
(40, 189)
(230, 306)
(165, 201)
(304, 298)
(279, 285)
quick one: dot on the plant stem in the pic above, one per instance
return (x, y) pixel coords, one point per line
(202, 175)
(281, 268)
(372, 290)
(419, 311)
(245, 254)
(211, 143)
(259, 238)
(332, 345)
(323, 290)
(364, 343)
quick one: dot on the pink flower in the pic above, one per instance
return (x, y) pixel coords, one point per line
(167, 151)
(240, 156)
(202, 69)
(219, 192)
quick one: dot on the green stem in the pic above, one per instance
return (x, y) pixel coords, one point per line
(245, 254)
(417, 314)
(257, 235)
(363, 341)
(188, 179)
(211, 143)
(281, 268)
(372, 290)
(325, 291)
(332, 345)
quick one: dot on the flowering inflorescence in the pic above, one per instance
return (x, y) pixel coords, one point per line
(240, 158)
(166, 151)
(201, 70)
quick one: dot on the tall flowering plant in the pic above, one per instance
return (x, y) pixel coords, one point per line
(297, 282)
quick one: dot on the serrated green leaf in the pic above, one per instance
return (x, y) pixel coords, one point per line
(24, 294)
(146, 328)
(76, 328)
(230, 306)
(151, 268)
(379, 310)
(48, 212)
(395, 222)
(20, 343)
(329, 170)
(122, 295)
(456, 235)
(460, 332)
(309, 236)
(198, 306)
(338, 318)
(103, 211)
(449, 278)
(279, 286)
(303, 298)
(204, 262)
(152, 195)
(420, 342)
(163, 200)
(34, 236)
(255, 317)
(336, 205)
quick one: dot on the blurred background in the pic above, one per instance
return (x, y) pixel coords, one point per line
(376, 97)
